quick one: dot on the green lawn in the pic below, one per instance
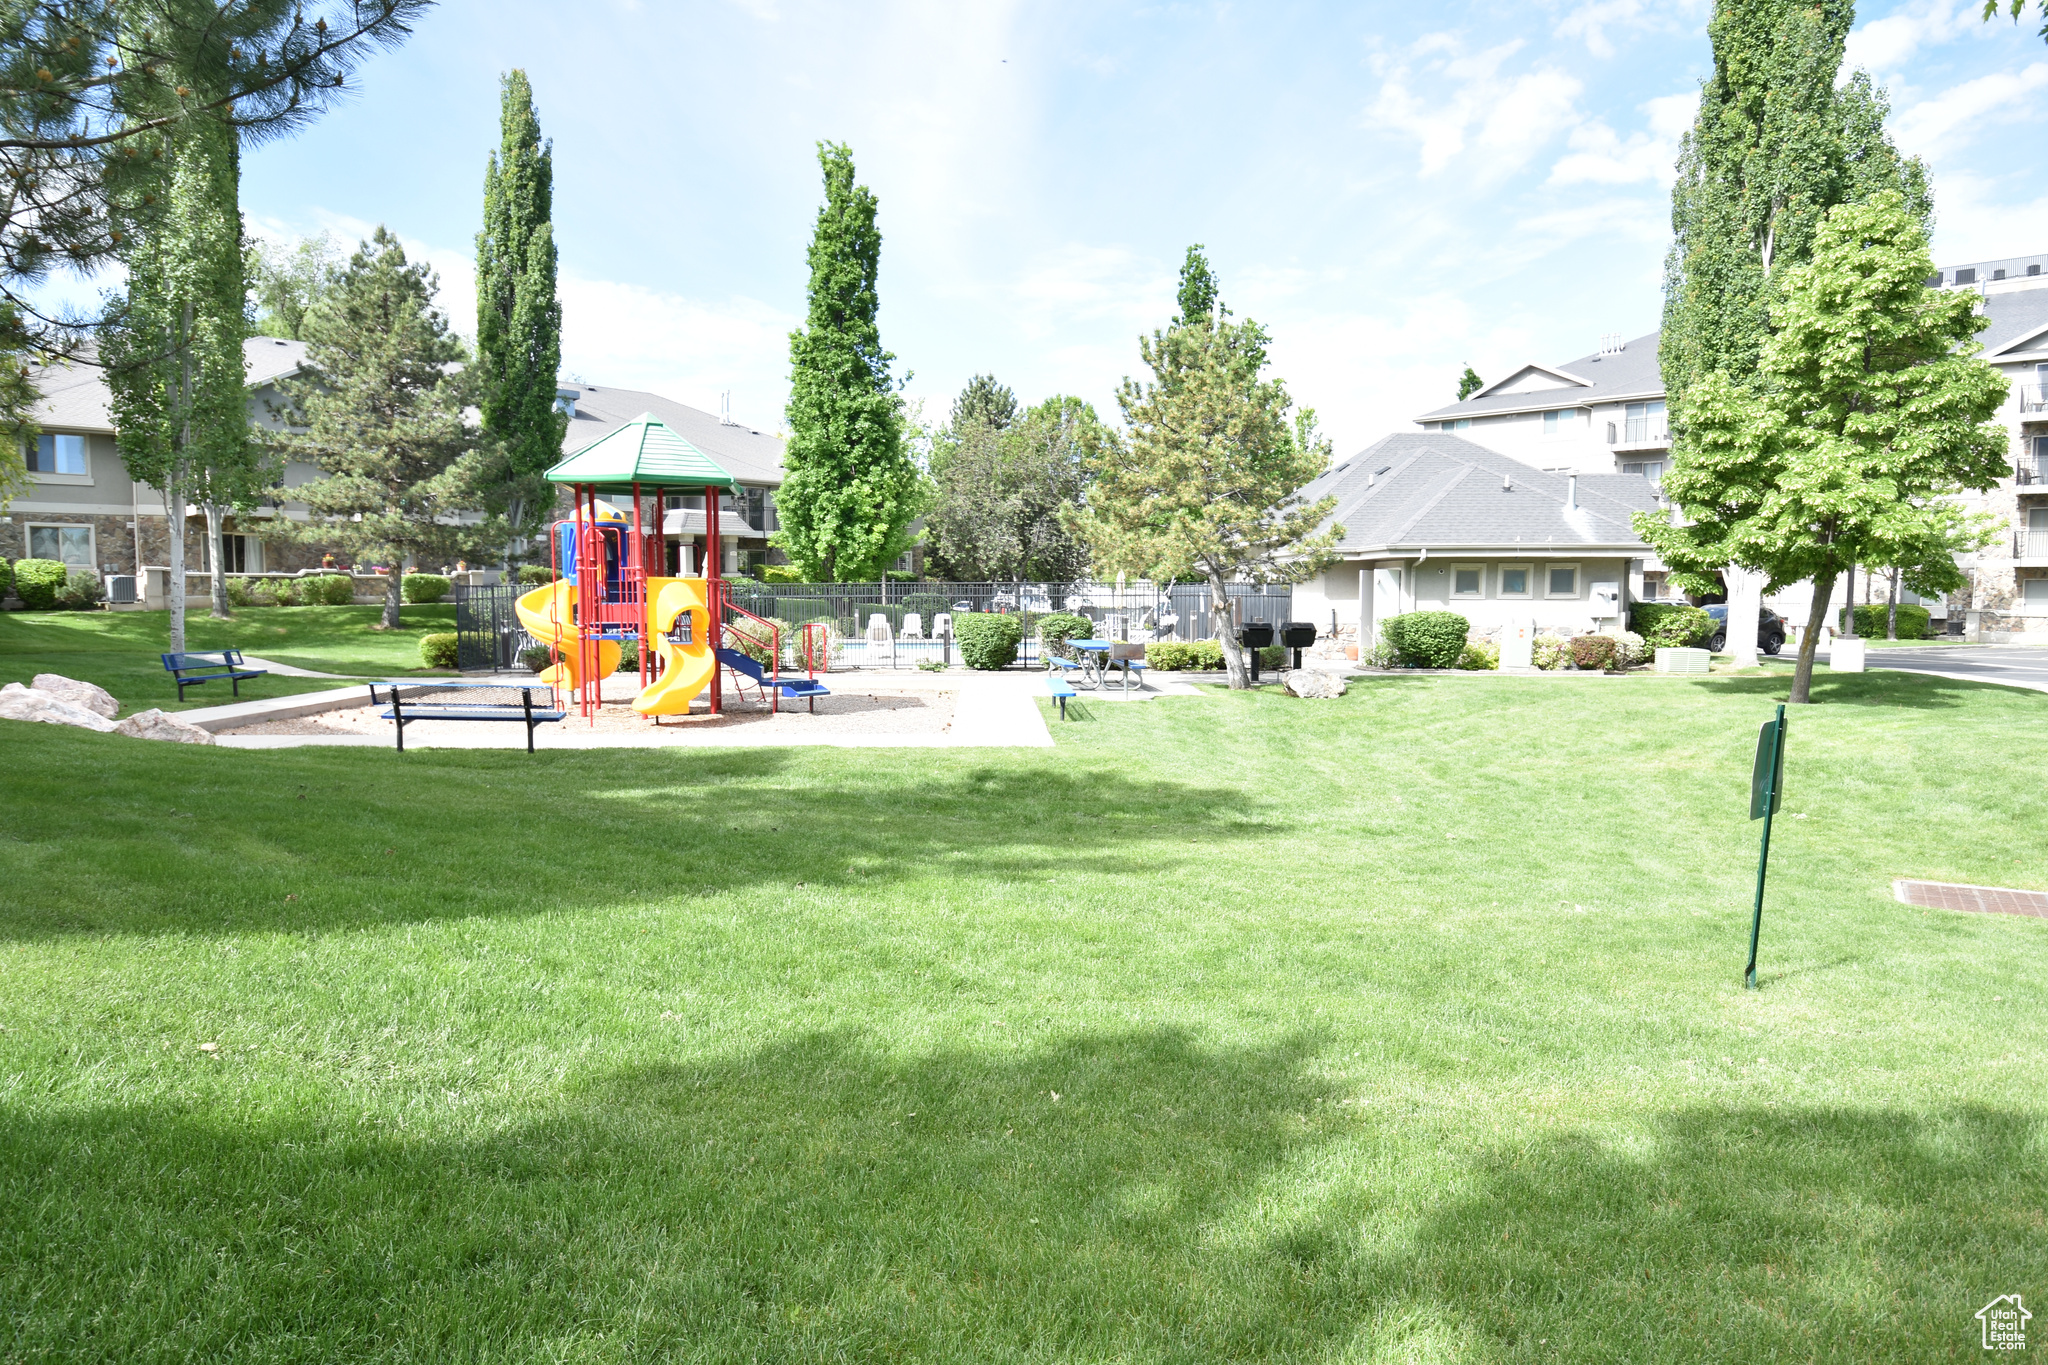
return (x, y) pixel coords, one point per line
(118, 650)
(1406, 1027)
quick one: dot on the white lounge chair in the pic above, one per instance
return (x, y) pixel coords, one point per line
(913, 626)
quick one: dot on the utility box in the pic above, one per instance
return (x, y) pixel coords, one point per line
(1518, 645)
(1683, 660)
(1606, 599)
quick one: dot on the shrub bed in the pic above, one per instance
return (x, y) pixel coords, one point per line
(37, 583)
(82, 591)
(1480, 656)
(1915, 622)
(438, 651)
(536, 575)
(1428, 639)
(1203, 656)
(424, 589)
(1670, 625)
(1054, 631)
(987, 640)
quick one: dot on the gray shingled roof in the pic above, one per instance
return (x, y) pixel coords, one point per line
(754, 457)
(1431, 490)
(75, 395)
(1632, 373)
(2014, 315)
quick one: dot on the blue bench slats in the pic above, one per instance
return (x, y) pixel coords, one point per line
(402, 713)
(188, 669)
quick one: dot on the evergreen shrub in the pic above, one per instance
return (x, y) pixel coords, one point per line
(6, 576)
(1670, 625)
(1428, 639)
(328, 590)
(537, 657)
(424, 589)
(987, 640)
(1594, 652)
(438, 651)
(37, 583)
(1054, 631)
(1915, 622)
(536, 575)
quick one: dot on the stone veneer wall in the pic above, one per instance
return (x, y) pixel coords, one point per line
(115, 543)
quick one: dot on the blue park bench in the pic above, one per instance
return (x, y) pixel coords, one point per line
(464, 701)
(1062, 692)
(190, 670)
(810, 689)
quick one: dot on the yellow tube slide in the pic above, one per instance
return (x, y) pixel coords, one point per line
(548, 615)
(688, 666)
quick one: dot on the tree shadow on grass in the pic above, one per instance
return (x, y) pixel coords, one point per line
(1879, 687)
(166, 839)
(827, 1198)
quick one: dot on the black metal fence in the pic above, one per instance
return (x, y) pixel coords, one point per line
(488, 635)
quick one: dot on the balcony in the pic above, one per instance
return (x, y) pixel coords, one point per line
(1639, 433)
(2030, 547)
(2033, 399)
(2028, 472)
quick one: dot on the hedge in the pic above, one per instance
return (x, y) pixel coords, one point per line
(536, 575)
(1670, 625)
(37, 583)
(1428, 639)
(987, 640)
(6, 576)
(423, 589)
(1594, 652)
(1915, 622)
(82, 591)
(1202, 656)
(1055, 630)
(438, 651)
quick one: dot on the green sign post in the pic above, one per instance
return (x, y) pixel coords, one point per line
(1766, 792)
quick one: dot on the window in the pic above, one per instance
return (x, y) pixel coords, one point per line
(1561, 580)
(55, 453)
(71, 545)
(234, 554)
(1559, 422)
(1652, 470)
(1462, 424)
(1966, 276)
(1644, 421)
(1468, 580)
(1514, 580)
(1654, 587)
(2035, 591)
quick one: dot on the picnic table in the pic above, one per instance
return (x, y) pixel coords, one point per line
(1094, 661)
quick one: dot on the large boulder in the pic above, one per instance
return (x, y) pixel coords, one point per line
(28, 703)
(154, 724)
(71, 690)
(1308, 682)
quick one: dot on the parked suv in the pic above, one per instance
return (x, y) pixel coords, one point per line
(1770, 629)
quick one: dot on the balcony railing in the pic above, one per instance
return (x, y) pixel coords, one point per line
(2030, 545)
(1638, 431)
(2031, 397)
(2027, 469)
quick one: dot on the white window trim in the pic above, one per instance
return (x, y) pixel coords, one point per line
(92, 538)
(74, 480)
(1529, 569)
(1574, 595)
(1457, 569)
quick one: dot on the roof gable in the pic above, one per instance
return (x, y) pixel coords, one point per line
(1534, 378)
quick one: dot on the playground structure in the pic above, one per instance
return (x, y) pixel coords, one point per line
(609, 590)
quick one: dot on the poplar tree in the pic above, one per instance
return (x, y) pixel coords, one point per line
(518, 317)
(1868, 412)
(172, 348)
(378, 408)
(1469, 383)
(850, 489)
(1775, 145)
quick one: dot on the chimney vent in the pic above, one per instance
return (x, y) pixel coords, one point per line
(1571, 492)
(1610, 343)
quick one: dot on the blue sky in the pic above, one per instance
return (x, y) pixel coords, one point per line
(1392, 189)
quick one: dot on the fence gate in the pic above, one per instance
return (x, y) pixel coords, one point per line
(488, 637)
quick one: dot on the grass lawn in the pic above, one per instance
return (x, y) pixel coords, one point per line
(118, 649)
(1406, 1027)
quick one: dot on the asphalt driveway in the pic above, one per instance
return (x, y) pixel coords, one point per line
(2013, 665)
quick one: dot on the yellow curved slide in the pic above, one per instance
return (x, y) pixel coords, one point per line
(689, 666)
(549, 616)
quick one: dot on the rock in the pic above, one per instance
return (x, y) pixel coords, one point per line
(85, 694)
(154, 724)
(27, 703)
(1307, 682)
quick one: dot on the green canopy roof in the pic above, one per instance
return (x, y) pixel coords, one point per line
(645, 451)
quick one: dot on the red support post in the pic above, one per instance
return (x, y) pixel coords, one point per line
(714, 590)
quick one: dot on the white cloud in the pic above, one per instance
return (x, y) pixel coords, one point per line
(1465, 100)
(1985, 219)
(1927, 125)
(1591, 20)
(1600, 156)
(1886, 44)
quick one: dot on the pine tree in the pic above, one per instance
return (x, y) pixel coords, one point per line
(1868, 411)
(850, 490)
(518, 317)
(1206, 484)
(1774, 147)
(172, 347)
(984, 400)
(378, 409)
(1469, 383)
